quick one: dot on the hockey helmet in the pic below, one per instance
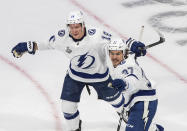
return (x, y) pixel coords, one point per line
(75, 17)
(117, 44)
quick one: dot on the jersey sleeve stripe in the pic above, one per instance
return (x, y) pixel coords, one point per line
(89, 76)
(141, 93)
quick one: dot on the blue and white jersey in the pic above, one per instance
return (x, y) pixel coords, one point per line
(138, 86)
(87, 56)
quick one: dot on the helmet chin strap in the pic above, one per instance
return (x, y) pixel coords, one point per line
(83, 26)
(126, 54)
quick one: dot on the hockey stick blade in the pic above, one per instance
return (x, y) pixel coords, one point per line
(124, 119)
(162, 40)
(154, 44)
(120, 119)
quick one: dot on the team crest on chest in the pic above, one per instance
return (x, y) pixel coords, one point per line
(84, 61)
(91, 31)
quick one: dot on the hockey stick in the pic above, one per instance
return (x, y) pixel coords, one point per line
(120, 120)
(124, 119)
(161, 40)
(141, 33)
(88, 89)
(140, 38)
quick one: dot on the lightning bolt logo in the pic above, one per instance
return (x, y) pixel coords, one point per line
(82, 59)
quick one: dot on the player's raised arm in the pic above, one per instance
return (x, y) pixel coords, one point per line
(31, 46)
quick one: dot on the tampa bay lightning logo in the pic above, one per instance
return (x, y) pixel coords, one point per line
(61, 33)
(91, 31)
(84, 61)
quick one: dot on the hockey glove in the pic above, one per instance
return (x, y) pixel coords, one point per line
(119, 84)
(137, 48)
(23, 47)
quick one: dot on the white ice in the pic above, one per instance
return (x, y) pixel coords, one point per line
(30, 87)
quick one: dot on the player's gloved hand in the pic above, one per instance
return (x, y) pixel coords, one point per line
(119, 84)
(23, 47)
(137, 48)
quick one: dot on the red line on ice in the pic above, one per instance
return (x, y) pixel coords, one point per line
(58, 125)
(76, 3)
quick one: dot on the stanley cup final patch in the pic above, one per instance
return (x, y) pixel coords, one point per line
(68, 50)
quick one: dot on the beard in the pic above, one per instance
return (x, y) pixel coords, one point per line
(115, 62)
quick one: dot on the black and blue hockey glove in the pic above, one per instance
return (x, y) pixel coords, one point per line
(119, 84)
(23, 47)
(138, 48)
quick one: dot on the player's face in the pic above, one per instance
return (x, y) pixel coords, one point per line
(116, 57)
(76, 31)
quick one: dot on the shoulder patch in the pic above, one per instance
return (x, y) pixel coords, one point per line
(61, 33)
(106, 36)
(52, 38)
(91, 31)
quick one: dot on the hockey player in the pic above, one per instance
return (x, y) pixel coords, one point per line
(140, 96)
(85, 47)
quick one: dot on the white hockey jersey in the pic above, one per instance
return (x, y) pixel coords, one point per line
(87, 56)
(138, 86)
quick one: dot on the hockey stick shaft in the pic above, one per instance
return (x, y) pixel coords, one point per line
(141, 33)
(120, 120)
(88, 89)
(155, 43)
(123, 118)
(140, 37)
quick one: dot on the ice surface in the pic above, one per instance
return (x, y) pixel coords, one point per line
(30, 87)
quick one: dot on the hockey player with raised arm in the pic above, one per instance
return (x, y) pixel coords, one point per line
(140, 96)
(85, 47)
